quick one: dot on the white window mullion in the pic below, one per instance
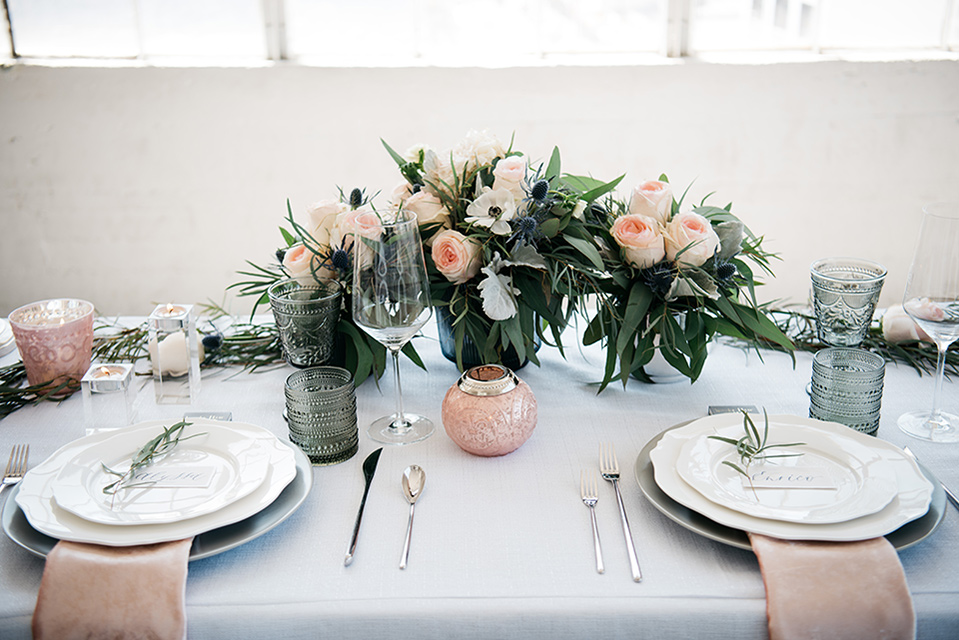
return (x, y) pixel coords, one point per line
(274, 22)
(677, 28)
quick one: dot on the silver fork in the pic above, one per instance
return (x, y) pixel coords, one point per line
(609, 468)
(16, 466)
(949, 494)
(589, 489)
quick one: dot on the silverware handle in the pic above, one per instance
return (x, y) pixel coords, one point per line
(598, 549)
(356, 528)
(630, 549)
(950, 495)
(409, 536)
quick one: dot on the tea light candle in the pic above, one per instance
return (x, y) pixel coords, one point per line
(108, 397)
(174, 353)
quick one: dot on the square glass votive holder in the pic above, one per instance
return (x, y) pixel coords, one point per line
(108, 397)
(845, 294)
(321, 414)
(174, 354)
(847, 388)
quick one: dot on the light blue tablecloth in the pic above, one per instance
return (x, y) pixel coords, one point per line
(502, 547)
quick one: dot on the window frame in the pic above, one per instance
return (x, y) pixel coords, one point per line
(678, 27)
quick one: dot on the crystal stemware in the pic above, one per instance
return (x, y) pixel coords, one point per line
(932, 300)
(391, 302)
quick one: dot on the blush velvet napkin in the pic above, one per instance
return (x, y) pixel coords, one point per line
(121, 593)
(846, 590)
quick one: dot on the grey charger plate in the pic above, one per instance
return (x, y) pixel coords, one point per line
(905, 536)
(207, 544)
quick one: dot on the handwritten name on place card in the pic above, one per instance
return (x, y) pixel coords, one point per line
(772, 477)
(200, 476)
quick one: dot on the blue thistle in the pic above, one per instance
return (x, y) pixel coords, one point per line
(526, 230)
(356, 198)
(280, 254)
(659, 277)
(725, 274)
(340, 259)
(540, 190)
(212, 342)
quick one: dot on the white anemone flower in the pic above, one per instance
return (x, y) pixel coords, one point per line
(497, 292)
(493, 210)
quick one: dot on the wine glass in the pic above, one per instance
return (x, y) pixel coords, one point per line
(391, 302)
(932, 299)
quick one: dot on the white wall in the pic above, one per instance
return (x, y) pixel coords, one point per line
(132, 186)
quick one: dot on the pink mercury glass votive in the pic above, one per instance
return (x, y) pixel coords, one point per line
(55, 339)
(489, 411)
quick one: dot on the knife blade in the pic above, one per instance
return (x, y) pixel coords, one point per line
(369, 468)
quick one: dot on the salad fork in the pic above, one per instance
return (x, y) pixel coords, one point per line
(588, 489)
(16, 466)
(609, 468)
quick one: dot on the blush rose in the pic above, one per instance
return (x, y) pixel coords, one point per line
(456, 256)
(639, 237)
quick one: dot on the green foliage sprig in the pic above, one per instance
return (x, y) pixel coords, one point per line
(754, 446)
(145, 456)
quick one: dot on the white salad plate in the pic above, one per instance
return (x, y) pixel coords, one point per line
(854, 478)
(36, 498)
(912, 500)
(238, 463)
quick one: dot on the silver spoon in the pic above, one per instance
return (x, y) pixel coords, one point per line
(413, 480)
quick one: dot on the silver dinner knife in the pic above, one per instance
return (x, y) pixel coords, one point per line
(369, 468)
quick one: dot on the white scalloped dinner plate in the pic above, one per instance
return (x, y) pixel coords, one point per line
(36, 500)
(861, 474)
(238, 462)
(912, 500)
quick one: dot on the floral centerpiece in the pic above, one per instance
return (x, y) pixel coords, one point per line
(510, 254)
(677, 276)
(322, 247)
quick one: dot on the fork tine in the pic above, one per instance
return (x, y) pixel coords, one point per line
(24, 452)
(582, 484)
(13, 453)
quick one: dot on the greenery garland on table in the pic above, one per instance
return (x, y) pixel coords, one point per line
(245, 344)
(253, 346)
(800, 326)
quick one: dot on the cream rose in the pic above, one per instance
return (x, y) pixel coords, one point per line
(299, 264)
(924, 309)
(510, 173)
(642, 243)
(401, 192)
(323, 217)
(456, 256)
(690, 235)
(429, 210)
(366, 223)
(479, 148)
(898, 326)
(653, 199)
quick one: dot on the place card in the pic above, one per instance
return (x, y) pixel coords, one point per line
(797, 477)
(177, 477)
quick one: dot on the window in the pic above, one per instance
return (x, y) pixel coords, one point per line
(466, 32)
(819, 25)
(140, 28)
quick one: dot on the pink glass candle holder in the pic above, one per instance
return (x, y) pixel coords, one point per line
(489, 411)
(55, 339)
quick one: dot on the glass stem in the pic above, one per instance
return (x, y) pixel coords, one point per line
(935, 417)
(399, 422)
